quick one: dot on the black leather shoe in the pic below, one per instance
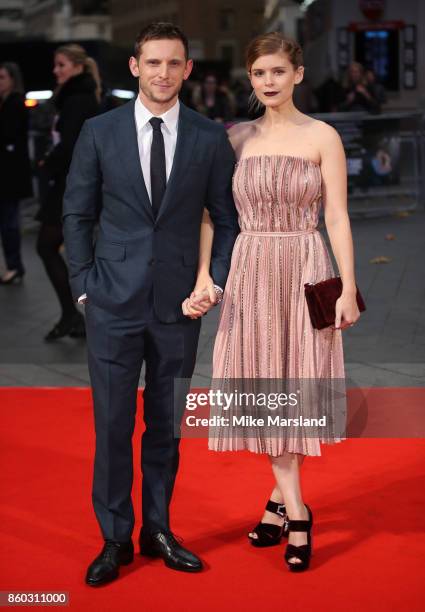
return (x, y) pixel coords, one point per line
(164, 545)
(105, 567)
(73, 326)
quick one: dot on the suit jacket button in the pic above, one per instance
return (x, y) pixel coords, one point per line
(152, 261)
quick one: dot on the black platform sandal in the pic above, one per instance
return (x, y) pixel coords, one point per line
(267, 533)
(303, 552)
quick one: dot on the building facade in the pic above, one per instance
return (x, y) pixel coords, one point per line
(385, 35)
(284, 16)
(67, 20)
(11, 19)
(217, 29)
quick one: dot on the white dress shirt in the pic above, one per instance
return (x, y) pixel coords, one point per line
(144, 138)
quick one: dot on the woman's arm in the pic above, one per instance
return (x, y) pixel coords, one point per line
(206, 242)
(193, 307)
(204, 283)
(334, 185)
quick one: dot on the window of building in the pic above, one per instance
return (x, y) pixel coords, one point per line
(11, 14)
(379, 50)
(227, 53)
(226, 19)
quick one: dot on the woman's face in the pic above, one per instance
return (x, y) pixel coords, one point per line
(210, 84)
(273, 78)
(355, 73)
(6, 82)
(64, 68)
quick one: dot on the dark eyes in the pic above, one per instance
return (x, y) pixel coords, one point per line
(259, 73)
(157, 63)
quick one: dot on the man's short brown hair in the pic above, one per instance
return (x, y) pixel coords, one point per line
(159, 31)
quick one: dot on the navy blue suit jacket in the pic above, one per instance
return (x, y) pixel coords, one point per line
(135, 255)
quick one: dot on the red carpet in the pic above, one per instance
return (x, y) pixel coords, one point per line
(367, 494)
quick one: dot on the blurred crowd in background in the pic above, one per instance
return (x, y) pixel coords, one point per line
(58, 121)
(225, 101)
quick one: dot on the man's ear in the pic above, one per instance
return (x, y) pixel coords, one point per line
(188, 69)
(134, 66)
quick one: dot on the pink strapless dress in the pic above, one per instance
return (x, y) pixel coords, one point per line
(265, 329)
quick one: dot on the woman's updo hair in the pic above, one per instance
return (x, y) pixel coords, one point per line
(270, 43)
(78, 56)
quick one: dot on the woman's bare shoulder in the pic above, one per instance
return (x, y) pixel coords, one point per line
(323, 131)
(322, 137)
(239, 132)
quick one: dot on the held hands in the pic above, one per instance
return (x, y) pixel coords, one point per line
(346, 311)
(202, 298)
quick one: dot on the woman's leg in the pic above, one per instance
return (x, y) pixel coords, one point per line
(286, 470)
(50, 239)
(276, 496)
(11, 235)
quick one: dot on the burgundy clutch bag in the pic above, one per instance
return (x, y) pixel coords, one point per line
(321, 299)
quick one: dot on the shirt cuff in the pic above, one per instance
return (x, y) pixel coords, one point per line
(82, 298)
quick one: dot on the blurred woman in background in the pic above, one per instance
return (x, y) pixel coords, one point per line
(76, 99)
(359, 96)
(15, 168)
(209, 100)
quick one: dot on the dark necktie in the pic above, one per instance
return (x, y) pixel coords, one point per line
(158, 173)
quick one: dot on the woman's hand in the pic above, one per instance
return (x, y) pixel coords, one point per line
(204, 285)
(346, 311)
(202, 298)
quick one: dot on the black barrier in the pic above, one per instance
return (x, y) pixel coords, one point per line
(385, 160)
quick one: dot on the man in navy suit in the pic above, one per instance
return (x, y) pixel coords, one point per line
(144, 172)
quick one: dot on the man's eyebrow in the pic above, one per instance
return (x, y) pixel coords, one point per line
(156, 59)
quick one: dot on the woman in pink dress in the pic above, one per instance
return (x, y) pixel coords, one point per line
(289, 164)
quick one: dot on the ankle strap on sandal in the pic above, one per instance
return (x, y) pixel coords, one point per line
(276, 508)
(299, 525)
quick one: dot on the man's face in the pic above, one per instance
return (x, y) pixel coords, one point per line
(161, 69)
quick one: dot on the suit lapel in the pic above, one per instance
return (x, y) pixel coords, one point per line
(128, 151)
(187, 134)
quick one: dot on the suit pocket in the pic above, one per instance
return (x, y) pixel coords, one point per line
(110, 251)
